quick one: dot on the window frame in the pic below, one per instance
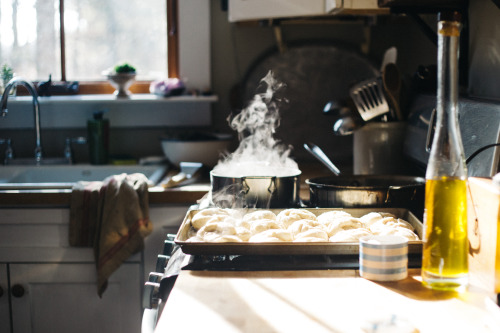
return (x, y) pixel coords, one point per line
(103, 87)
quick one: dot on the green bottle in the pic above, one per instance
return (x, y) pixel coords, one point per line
(98, 138)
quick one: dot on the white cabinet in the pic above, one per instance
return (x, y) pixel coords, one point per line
(52, 286)
(55, 297)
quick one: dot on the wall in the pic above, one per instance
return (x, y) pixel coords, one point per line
(235, 48)
(484, 69)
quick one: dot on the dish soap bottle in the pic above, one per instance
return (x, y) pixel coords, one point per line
(446, 246)
(98, 137)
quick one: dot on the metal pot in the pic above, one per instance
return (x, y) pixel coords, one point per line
(361, 191)
(255, 191)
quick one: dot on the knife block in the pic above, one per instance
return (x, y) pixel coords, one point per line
(483, 210)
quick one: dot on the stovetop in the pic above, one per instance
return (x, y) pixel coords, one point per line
(280, 262)
(180, 261)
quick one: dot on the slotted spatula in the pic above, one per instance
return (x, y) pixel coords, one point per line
(369, 99)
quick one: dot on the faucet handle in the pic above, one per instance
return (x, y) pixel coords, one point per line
(9, 152)
(68, 152)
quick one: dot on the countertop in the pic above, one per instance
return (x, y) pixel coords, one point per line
(320, 301)
(157, 195)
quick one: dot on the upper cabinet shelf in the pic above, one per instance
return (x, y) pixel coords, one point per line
(245, 10)
(422, 6)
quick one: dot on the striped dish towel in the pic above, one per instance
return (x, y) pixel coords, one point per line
(111, 216)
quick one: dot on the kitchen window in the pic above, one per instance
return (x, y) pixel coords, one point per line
(76, 40)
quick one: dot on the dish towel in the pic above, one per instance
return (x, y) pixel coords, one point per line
(111, 216)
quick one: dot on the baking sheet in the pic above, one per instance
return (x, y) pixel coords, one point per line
(295, 248)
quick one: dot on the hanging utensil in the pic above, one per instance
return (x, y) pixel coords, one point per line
(347, 125)
(321, 156)
(391, 79)
(390, 57)
(346, 120)
(368, 96)
(369, 99)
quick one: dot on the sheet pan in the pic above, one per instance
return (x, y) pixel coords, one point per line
(292, 248)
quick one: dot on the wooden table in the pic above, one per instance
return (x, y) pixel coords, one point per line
(319, 301)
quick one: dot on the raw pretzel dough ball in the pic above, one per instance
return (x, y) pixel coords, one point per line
(288, 216)
(233, 220)
(308, 236)
(344, 223)
(212, 230)
(227, 239)
(300, 226)
(390, 222)
(371, 218)
(308, 240)
(399, 231)
(263, 225)
(194, 239)
(350, 235)
(210, 214)
(328, 217)
(259, 215)
(243, 233)
(272, 235)
(244, 224)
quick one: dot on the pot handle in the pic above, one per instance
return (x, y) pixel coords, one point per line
(244, 186)
(272, 186)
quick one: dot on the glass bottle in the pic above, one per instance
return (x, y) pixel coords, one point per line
(98, 138)
(446, 246)
(496, 185)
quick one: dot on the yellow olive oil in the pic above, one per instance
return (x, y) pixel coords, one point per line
(446, 246)
(497, 257)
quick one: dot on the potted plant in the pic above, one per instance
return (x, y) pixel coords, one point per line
(7, 73)
(121, 78)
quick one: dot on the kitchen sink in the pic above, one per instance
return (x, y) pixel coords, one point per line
(64, 176)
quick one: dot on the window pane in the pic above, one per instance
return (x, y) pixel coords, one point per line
(98, 35)
(29, 38)
(102, 33)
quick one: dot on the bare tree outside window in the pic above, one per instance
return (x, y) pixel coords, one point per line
(98, 34)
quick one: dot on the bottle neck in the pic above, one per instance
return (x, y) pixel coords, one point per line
(447, 154)
(447, 88)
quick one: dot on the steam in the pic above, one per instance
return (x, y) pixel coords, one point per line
(259, 153)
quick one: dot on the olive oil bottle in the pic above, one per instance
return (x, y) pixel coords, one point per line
(445, 250)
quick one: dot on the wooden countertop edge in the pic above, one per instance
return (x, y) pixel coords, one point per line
(62, 198)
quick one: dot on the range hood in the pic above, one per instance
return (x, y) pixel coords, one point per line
(248, 10)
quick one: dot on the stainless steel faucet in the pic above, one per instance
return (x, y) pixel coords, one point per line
(36, 109)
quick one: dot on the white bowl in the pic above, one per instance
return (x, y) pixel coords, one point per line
(208, 152)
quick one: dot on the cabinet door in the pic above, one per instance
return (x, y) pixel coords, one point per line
(4, 300)
(49, 298)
